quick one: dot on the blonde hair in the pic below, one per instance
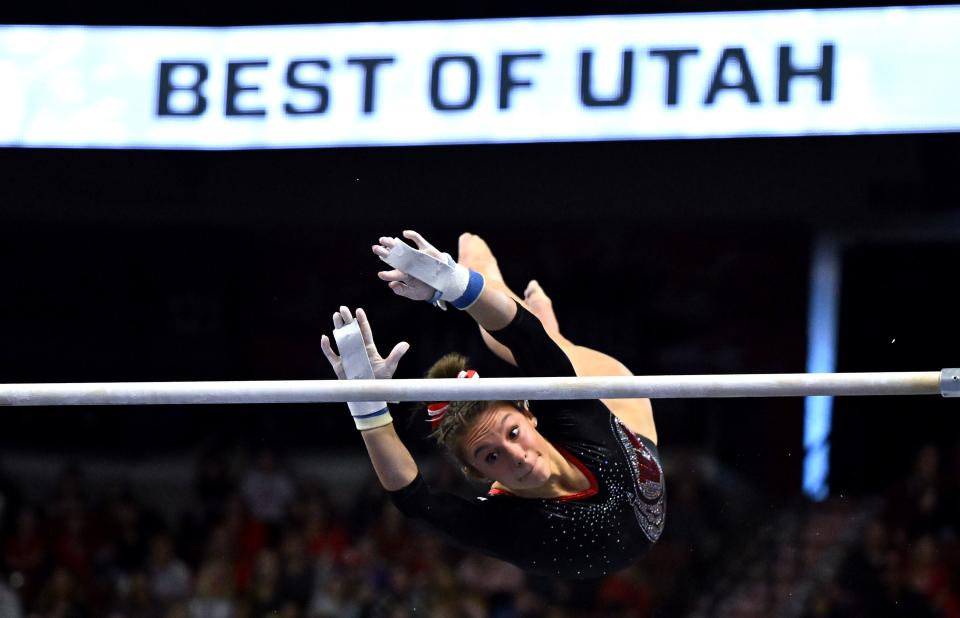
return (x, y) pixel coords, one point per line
(461, 415)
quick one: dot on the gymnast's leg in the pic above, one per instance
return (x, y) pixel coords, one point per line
(636, 414)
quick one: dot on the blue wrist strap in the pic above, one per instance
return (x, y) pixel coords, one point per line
(472, 293)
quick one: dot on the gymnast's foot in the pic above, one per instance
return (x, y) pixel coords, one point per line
(541, 306)
(475, 254)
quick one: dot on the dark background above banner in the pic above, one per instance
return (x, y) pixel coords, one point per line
(192, 14)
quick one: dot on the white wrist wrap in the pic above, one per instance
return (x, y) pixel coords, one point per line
(456, 283)
(356, 366)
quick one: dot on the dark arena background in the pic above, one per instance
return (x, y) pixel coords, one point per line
(677, 256)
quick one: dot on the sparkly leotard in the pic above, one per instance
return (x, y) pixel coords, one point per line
(588, 534)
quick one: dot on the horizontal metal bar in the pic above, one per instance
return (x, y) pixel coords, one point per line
(318, 391)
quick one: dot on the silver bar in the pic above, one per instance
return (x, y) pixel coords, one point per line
(318, 391)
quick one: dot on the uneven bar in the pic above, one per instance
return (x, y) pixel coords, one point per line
(946, 383)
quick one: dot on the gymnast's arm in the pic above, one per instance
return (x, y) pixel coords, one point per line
(391, 460)
(492, 309)
(393, 463)
(498, 313)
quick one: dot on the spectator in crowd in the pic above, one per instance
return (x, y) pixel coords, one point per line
(296, 569)
(213, 485)
(129, 528)
(333, 598)
(136, 599)
(61, 596)
(10, 503)
(169, 577)
(264, 596)
(238, 537)
(915, 506)
(213, 595)
(626, 593)
(325, 537)
(268, 491)
(74, 543)
(10, 605)
(26, 552)
(862, 573)
(71, 494)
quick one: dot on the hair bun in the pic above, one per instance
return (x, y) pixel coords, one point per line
(449, 366)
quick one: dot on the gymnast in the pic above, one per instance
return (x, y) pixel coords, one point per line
(576, 487)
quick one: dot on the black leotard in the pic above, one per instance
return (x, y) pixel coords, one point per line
(588, 534)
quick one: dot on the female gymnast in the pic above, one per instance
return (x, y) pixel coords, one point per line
(577, 488)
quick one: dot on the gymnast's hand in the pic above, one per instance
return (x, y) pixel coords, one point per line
(400, 282)
(383, 368)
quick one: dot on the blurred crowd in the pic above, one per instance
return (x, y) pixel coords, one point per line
(255, 540)
(906, 562)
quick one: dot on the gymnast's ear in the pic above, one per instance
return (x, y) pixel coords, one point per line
(524, 407)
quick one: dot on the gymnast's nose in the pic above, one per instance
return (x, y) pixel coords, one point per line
(518, 454)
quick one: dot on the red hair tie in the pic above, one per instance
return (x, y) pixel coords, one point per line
(437, 410)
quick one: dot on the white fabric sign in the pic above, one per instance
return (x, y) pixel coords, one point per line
(801, 72)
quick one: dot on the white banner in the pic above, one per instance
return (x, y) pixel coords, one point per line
(804, 72)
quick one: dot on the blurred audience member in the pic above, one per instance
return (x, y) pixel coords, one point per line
(334, 598)
(862, 573)
(325, 538)
(213, 595)
(169, 577)
(264, 597)
(915, 506)
(11, 500)
(61, 597)
(239, 537)
(296, 569)
(26, 552)
(213, 485)
(71, 495)
(626, 593)
(267, 490)
(136, 600)
(10, 605)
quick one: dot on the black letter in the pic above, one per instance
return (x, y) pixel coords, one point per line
(673, 57)
(165, 88)
(823, 72)
(472, 87)
(369, 66)
(507, 83)
(746, 78)
(626, 81)
(323, 94)
(233, 89)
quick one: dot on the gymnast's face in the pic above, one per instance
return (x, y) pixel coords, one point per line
(504, 445)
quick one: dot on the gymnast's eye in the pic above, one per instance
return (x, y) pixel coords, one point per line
(515, 433)
(491, 458)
